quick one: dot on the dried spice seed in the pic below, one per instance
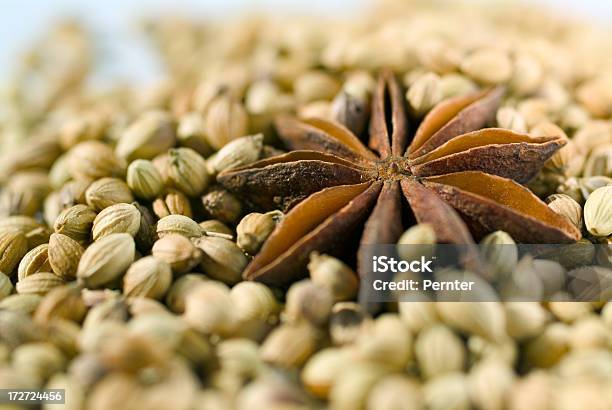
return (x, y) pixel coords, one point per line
(449, 162)
(147, 277)
(76, 222)
(119, 218)
(598, 212)
(226, 120)
(37, 260)
(178, 224)
(106, 192)
(64, 255)
(187, 171)
(174, 203)
(94, 159)
(151, 134)
(13, 246)
(178, 252)
(106, 260)
(222, 259)
(144, 179)
(38, 283)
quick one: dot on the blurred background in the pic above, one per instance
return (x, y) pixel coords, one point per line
(114, 23)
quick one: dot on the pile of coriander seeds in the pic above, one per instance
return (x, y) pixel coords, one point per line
(121, 259)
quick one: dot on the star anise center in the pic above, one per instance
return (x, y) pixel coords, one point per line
(393, 168)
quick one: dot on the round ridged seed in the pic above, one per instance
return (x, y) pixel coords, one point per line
(119, 218)
(64, 255)
(106, 260)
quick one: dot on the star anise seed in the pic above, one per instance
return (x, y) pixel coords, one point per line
(453, 174)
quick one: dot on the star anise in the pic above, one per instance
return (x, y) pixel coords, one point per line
(452, 173)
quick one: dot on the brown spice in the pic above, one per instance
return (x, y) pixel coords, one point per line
(450, 170)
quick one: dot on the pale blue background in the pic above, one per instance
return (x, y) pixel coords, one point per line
(22, 20)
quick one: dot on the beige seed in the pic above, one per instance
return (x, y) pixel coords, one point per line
(315, 85)
(208, 308)
(354, 383)
(418, 314)
(333, 274)
(501, 254)
(482, 349)
(290, 346)
(527, 75)
(254, 301)
(180, 225)
(187, 171)
(144, 180)
(38, 283)
(240, 357)
(454, 85)
(191, 133)
(13, 246)
(94, 159)
(395, 392)
(35, 232)
(308, 302)
(254, 229)
(6, 287)
(387, 334)
(351, 106)
(175, 299)
(37, 260)
(509, 118)
(222, 259)
(598, 212)
(489, 384)
(549, 347)
(486, 319)
(535, 391)
(38, 361)
(147, 277)
(424, 93)
(25, 303)
(566, 206)
(418, 240)
(106, 192)
(599, 162)
(214, 226)
(178, 251)
(525, 319)
(73, 191)
(173, 203)
(239, 152)
(106, 260)
(76, 222)
(589, 333)
(118, 218)
(595, 95)
(62, 302)
(226, 120)
(438, 55)
(152, 133)
(322, 369)
(64, 255)
(489, 66)
(438, 350)
(449, 391)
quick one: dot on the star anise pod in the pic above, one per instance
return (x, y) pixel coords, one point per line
(452, 173)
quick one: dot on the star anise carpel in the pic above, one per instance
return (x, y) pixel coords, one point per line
(463, 179)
